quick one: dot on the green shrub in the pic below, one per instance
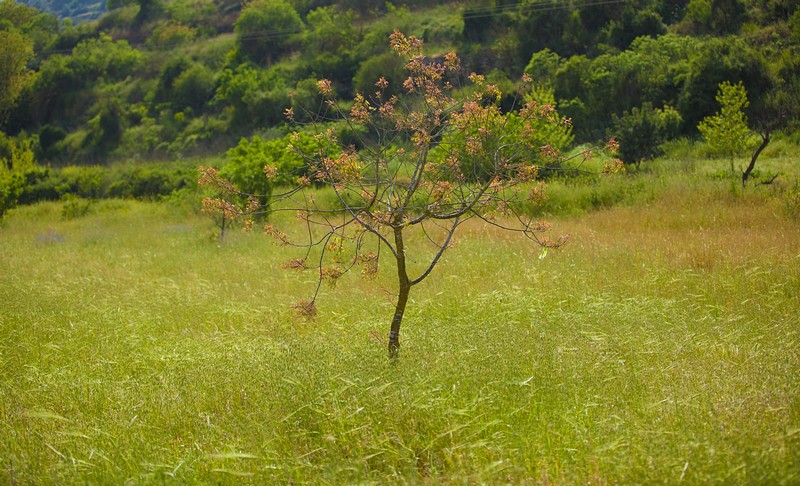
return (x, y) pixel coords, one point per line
(260, 17)
(85, 182)
(641, 131)
(75, 207)
(135, 182)
(246, 161)
(17, 165)
(143, 182)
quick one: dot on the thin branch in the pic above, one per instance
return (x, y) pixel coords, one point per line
(442, 248)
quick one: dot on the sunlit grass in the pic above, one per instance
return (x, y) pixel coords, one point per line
(661, 345)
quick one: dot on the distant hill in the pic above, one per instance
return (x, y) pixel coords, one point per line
(77, 10)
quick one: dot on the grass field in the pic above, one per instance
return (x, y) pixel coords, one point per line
(661, 345)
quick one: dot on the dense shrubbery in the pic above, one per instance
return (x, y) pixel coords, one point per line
(641, 131)
(155, 79)
(17, 168)
(95, 182)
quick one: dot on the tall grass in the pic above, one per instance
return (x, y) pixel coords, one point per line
(661, 345)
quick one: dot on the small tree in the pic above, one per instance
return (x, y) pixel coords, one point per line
(726, 131)
(433, 162)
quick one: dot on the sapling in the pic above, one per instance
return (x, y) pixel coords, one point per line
(428, 161)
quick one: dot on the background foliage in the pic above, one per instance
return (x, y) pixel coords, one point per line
(150, 80)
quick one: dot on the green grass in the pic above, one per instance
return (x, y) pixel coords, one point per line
(661, 345)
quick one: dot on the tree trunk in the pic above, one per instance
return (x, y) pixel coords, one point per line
(402, 296)
(223, 226)
(394, 332)
(764, 142)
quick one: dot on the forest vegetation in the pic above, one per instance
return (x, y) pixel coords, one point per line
(161, 80)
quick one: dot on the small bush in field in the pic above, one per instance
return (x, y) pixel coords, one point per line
(75, 207)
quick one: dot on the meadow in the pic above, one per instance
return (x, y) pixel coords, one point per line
(660, 346)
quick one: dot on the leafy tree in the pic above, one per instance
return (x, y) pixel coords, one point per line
(543, 67)
(104, 58)
(194, 87)
(727, 16)
(38, 28)
(479, 22)
(699, 12)
(635, 23)
(258, 97)
(184, 84)
(266, 29)
(716, 16)
(15, 53)
(387, 65)
(330, 42)
(105, 129)
(642, 130)
(166, 80)
(393, 195)
(726, 131)
(63, 88)
(543, 27)
(671, 11)
(16, 14)
(778, 108)
(715, 61)
(257, 166)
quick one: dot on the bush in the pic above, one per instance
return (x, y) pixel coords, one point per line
(266, 30)
(136, 182)
(75, 207)
(246, 161)
(641, 131)
(146, 182)
(17, 165)
(258, 97)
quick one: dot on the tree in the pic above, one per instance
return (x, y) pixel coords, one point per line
(726, 131)
(714, 61)
(257, 96)
(15, 53)
(635, 23)
(330, 42)
(266, 29)
(409, 186)
(543, 67)
(148, 9)
(717, 16)
(778, 108)
(642, 130)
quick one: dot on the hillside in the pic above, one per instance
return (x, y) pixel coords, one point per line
(154, 79)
